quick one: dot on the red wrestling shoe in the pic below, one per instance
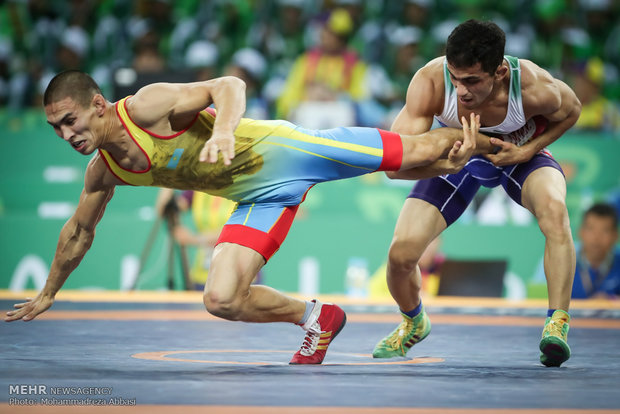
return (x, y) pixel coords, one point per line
(325, 322)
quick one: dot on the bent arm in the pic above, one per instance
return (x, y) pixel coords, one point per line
(168, 108)
(228, 95)
(560, 119)
(552, 99)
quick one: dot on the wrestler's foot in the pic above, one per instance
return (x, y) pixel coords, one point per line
(554, 349)
(407, 334)
(325, 322)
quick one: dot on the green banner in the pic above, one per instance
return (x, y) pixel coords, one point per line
(341, 224)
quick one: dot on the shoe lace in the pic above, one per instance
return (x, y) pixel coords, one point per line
(311, 340)
(395, 341)
(554, 327)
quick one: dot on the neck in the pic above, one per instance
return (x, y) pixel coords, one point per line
(111, 135)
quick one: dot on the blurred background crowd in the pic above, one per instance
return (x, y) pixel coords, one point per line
(317, 63)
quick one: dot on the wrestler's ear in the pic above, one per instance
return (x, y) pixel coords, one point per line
(99, 103)
(501, 72)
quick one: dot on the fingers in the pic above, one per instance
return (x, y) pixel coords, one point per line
(465, 124)
(454, 150)
(474, 122)
(497, 142)
(211, 149)
(230, 153)
(30, 316)
(227, 155)
(203, 154)
(209, 153)
(212, 153)
(15, 315)
(27, 311)
(470, 131)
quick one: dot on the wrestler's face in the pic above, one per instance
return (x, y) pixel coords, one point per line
(71, 122)
(473, 85)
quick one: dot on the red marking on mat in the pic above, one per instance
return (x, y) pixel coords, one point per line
(164, 356)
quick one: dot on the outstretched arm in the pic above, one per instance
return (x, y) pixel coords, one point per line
(75, 239)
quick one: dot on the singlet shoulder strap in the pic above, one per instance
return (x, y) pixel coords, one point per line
(515, 76)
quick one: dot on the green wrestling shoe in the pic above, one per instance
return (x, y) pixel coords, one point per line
(407, 334)
(554, 349)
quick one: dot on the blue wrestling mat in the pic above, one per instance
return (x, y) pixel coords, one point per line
(151, 355)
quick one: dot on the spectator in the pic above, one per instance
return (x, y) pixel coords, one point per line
(281, 40)
(328, 77)
(598, 258)
(147, 55)
(597, 112)
(202, 57)
(249, 65)
(407, 59)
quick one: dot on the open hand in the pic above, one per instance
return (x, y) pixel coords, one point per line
(461, 152)
(223, 143)
(29, 310)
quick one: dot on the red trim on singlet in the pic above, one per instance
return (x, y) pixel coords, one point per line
(154, 134)
(546, 152)
(134, 140)
(267, 244)
(264, 243)
(250, 237)
(111, 170)
(392, 151)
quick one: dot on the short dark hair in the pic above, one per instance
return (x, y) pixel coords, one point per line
(71, 84)
(603, 210)
(476, 41)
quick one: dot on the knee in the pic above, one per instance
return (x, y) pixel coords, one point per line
(403, 257)
(222, 306)
(553, 219)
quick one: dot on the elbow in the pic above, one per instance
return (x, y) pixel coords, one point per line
(392, 175)
(234, 82)
(577, 109)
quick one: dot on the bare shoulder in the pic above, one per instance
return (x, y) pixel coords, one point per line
(98, 177)
(426, 90)
(540, 90)
(152, 103)
(432, 72)
(159, 104)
